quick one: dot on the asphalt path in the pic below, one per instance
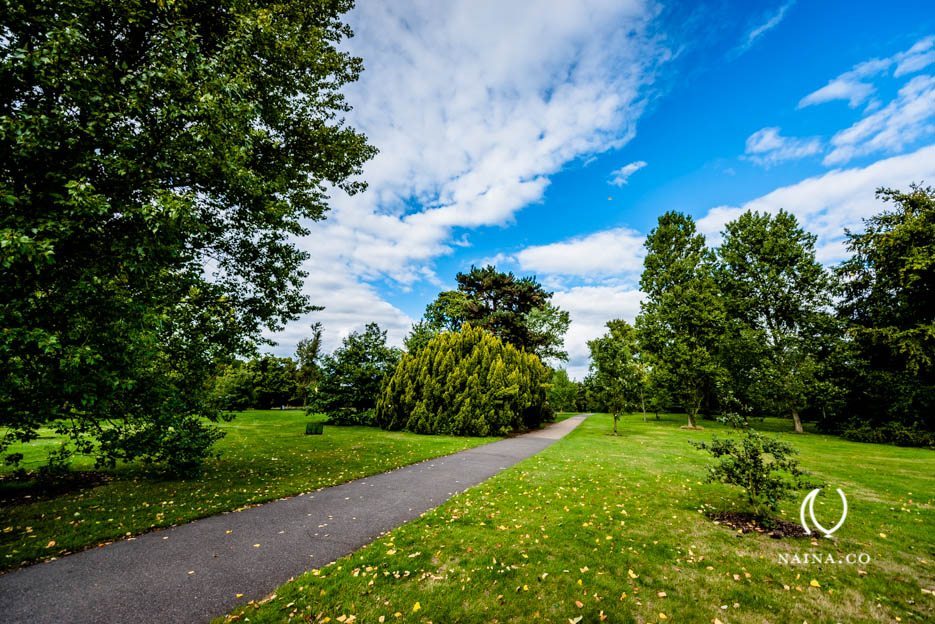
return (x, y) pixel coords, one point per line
(194, 572)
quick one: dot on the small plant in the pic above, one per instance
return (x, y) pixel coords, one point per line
(765, 467)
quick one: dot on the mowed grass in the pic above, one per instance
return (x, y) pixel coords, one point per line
(264, 456)
(601, 528)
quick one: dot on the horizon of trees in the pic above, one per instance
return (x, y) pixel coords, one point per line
(758, 327)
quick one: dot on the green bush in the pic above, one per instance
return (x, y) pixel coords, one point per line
(891, 433)
(351, 417)
(765, 467)
(465, 383)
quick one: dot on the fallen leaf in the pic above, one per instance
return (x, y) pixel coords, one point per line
(814, 583)
(661, 594)
(575, 620)
(663, 616)
(238, 595)
(50, 544)
(633, 574)
(416, 607)
(579, 604)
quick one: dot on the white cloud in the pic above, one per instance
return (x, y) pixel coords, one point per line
(916, 58)
(761, 29)
(473, 104)
(590, 308)
(767, 147)
(620, 176)
(829, 203)
(854, 85)
(906, 119)
(617, 251)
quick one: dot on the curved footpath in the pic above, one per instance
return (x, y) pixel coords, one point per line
(193, 572)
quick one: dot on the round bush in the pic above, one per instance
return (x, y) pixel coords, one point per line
(465, 383)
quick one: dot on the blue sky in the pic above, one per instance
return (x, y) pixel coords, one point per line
(547, 137)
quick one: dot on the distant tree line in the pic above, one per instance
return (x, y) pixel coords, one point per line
(472, 366)
(758, 327)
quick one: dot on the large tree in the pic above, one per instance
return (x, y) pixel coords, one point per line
(889, 302)
(778, 293)
(518, 310)
(681, 321)
(158, 160)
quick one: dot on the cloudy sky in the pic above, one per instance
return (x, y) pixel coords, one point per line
(548, 136)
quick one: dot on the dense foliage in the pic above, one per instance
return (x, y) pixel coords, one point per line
(352, 377)
(158, 160)
(563, 392)
(889, 305)
(518, 310)
(465, 382)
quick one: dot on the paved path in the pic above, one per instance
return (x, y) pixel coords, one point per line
(193, 572)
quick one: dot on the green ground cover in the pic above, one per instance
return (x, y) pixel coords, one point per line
(602, 528)
(264, 456)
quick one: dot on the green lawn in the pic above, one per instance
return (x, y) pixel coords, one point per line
(265, 455)
(602, 528)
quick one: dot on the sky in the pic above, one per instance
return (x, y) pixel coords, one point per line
(547, 137)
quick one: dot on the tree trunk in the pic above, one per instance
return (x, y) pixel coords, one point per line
(797, 421)
(616, 417)
(691, 418)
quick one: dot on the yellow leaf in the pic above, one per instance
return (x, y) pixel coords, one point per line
(50, 544)
(381, 619)
(416, 607)
(661, 594)
(883, 535)
(575, 620)
(256, 545)
(814, 583)
(633, 574)
(663, 616)
(238, 595)
(579, 604)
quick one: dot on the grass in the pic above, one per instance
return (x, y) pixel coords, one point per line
(602, 528)
(264, 456)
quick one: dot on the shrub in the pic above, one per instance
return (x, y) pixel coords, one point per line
(465, 383)
(891, 433)
(765, 467)
(350, 417)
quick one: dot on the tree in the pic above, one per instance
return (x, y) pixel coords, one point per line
(889, 305)
(308, 363)
(777, 291)
(615, 365)
(467, 382)
(274, 381)
(563, 392)
(159, 158)
(353, 376)
(516, 310)
(681, 320)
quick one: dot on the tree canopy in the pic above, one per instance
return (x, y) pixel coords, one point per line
(158, 160)
(518, 310)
